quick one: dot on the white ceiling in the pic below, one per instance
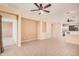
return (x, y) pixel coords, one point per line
(58, 11)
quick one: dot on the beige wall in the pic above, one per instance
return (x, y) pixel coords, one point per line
(28, 29)
(44, 27)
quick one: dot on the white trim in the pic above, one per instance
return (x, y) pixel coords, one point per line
(19, 31)
(14, 22)
(15, 32)
(27, 40)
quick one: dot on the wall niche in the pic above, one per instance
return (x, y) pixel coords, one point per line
(70, 29)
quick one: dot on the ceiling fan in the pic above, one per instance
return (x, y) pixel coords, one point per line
(41, 8)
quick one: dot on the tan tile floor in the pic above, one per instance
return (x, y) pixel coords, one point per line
(48, 47)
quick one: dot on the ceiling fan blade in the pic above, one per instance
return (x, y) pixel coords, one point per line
(46, 11)
(37, 5)
(40, 5)
(34, 10)
(47, 6)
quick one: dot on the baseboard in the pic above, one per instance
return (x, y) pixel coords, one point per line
(10, 45)
(33, 40)
(72, 42)
(44, 38)
(28, 40)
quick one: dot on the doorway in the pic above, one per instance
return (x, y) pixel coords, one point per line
(9, 32)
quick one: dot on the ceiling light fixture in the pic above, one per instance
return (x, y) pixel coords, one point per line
(41, 8)
(41, 12)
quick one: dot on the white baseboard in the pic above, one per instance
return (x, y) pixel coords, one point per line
(33, 40)
(72, 42)
(28, 40)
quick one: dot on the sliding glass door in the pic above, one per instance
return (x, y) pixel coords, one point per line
(1, 44)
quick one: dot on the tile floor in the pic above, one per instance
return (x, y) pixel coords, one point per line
(48, 47)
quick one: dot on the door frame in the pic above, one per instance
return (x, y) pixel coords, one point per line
(1, 44)
(14, 28)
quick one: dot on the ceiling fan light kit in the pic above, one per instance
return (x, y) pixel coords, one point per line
(41, 8)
